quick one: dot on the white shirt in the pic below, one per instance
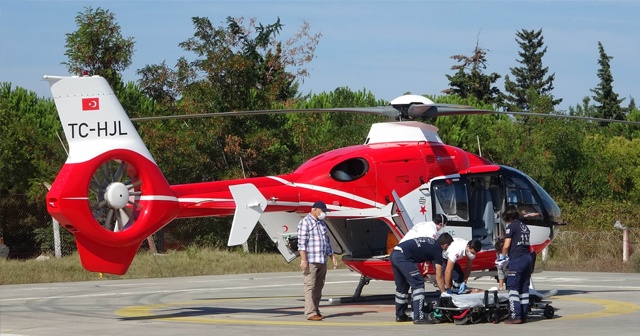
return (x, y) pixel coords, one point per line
(456, 250)
(422, 229)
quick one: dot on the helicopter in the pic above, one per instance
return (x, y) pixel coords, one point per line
(111, 194)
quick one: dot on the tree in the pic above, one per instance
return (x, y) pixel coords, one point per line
(98, 47)
(632, 104)
(316, 133)
(30, 154)
(585, 110)
(236, 67)
(609, 104)
(470, 81)
(529, 76)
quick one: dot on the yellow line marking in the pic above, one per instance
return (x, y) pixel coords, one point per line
(611, 308)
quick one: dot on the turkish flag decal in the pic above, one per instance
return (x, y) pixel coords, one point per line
(90, 104)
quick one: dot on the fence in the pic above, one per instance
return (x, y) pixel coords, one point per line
(28, 232)
(593, 244)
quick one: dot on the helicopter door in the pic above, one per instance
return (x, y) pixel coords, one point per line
(449, 197)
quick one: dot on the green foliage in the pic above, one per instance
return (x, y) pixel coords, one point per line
(45, 240)
(134, 101)
(30, 151)
(635, 261)
(316, 133)
(599, 214)
(98, 46)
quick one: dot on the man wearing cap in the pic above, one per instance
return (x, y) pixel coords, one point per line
(314, 247)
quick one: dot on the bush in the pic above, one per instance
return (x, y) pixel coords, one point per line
(635, 261)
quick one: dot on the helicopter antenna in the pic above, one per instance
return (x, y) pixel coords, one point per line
(62, 143)
(479, 150)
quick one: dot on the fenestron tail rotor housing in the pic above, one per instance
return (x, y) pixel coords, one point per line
(114, 195)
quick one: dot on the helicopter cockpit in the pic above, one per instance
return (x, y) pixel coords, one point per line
(474, 202)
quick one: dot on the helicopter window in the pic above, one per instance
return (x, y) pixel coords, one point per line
(451, 199)
(350, 170)
(520, 194)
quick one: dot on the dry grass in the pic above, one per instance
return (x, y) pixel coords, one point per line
(146, 265)
(592, 251)
(616, 266)
(585, 251)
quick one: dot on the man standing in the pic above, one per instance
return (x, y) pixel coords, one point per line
(405, 258)
(314, 247)
(454, 278)
(516, 244)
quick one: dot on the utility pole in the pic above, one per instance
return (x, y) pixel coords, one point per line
(625, 240)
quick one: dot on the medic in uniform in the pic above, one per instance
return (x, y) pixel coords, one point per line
(405, 258)
(516, 252)
(455, 278)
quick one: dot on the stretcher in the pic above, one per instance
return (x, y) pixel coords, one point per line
(487, 306)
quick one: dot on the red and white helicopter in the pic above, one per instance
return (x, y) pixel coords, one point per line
(111, 194)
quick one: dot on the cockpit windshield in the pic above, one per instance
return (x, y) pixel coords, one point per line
(529, 196)
(555, 215)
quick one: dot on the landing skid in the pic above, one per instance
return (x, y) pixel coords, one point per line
(357, 295)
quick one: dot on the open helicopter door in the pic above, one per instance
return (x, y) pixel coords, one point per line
(282, 229)
(403, 222)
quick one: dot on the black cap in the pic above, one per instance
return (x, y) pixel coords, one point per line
(320, 205)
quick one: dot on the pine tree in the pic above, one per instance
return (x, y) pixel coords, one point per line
(470, 81)
(609, 107)
(530, 77)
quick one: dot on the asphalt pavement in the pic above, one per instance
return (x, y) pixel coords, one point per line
(272, 304)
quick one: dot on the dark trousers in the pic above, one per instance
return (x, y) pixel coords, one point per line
(407, 275)
(518, 280)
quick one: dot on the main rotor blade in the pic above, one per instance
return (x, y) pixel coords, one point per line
(439, 110)
(413, 111)
(567, 116)
(388, 111)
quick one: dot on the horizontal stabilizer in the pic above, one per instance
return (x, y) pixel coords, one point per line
(250, 205)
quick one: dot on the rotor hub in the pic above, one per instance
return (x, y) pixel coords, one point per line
(117, 195)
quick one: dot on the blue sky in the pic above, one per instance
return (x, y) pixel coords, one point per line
(386, 47)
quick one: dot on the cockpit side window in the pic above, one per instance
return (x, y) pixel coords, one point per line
(350, 170)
